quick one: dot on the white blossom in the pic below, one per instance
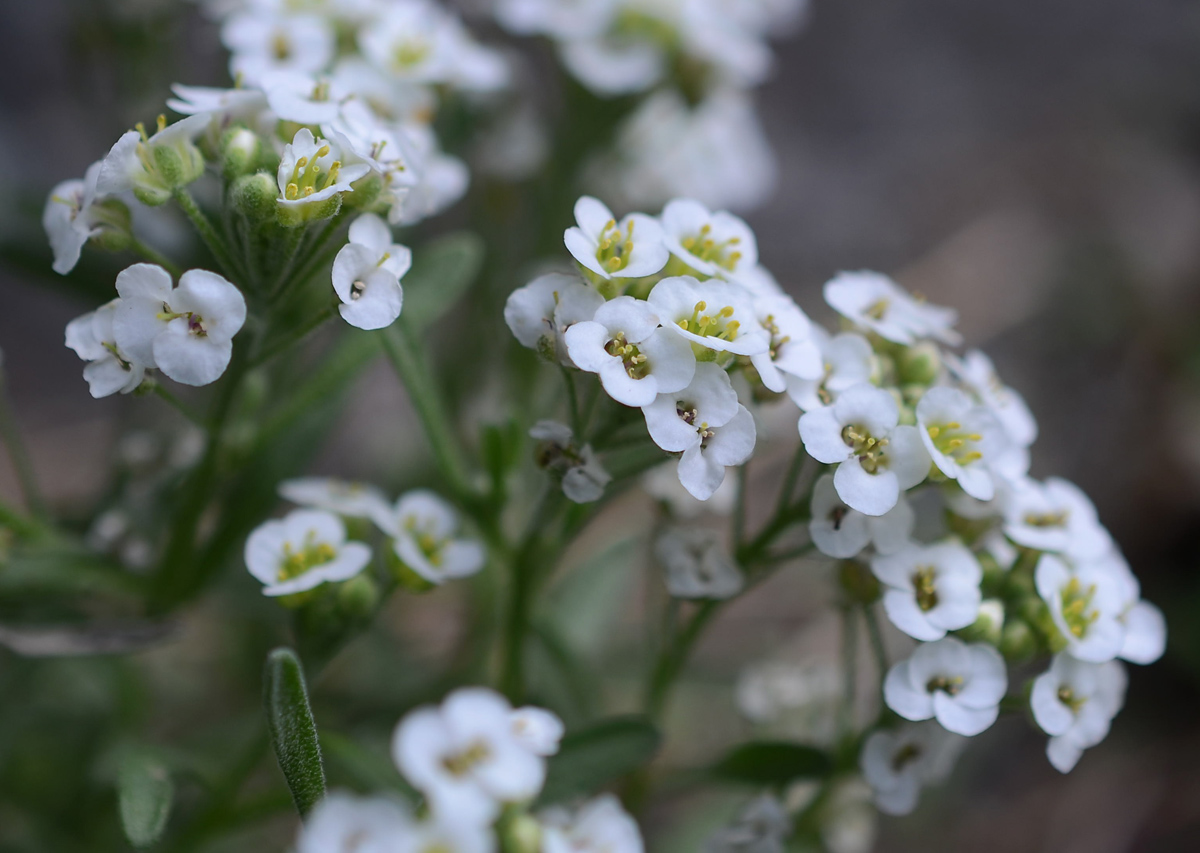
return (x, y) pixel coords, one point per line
(876, 457)
(187, 331)
(1074, 702)
(465, 756)
(963, 439)
(793, 349)
(898, 763)
(631, 248)
(1087, 600)
(846, 360)
(696, 564)
(261, 42)
(976, 372)
(635, 359)
(842, 532)
(220, 105)
(301, 551)
(109, 369)
(538, 729)
(713, 315)
(583, 477)
(560, 19)
(760, 826)
(662, 483)
(930, 589)
(151, 166)
(540, 313)
(71, 218)
(959, 684)
(424, 531)
(346, 823)
(367, 273)
(876, 303)
(311, 172)
(709, 244)
(598, 826)
(707, 425)
(388, 151)
(1055, 516)
(303, 98)
(351, 500)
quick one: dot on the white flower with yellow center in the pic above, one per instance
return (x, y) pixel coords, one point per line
(840, 531)
(311, 176)
(846, 360)
(635, 359)
(631, 248)
(583, 477)
(71, 218)
(598, 826)
(959, 684)
(367, 272)
(1057, 516)
(930, 589)
(876, 457)
(186, 331)
(1087, 600)
(716, 316)
(538, 729)
(385, 149)
(152, 166)
(977, 373)
(898, 763)
(424, 531)
(262, 42)
(301, 551)
(109, 369)
(696, 564)
(347, 823)
(707, 425)
(708, 244)
(540, 313)
(964, 439)
(303, 98)
(877, 304)
(348, 499)
(466, 758)
(793, 351)
(1075, 702)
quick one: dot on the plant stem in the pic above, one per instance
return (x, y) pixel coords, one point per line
(10, 434)
(876, 636)
(849, 671)
(573, 404)
(207, 232)
(156, 257)
(671, 662)
(294, 338)
(177, 404)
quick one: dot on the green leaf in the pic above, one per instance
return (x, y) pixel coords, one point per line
(292, 729)
(773, 763)
(442, 273)
(593, 757)
(144, 796)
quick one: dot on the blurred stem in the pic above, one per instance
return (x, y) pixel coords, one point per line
(675, 656)
(156, 257)
(296, 337)
(208, 233)
(739, 510)
(178, 405)
(876, 636)
(849, 671)
(314, 255)
(22, 463)
(573, 404)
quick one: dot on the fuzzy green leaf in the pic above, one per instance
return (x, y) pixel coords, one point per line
(292, 729)
(144, 795)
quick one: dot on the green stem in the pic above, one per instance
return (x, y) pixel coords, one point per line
(207, 232)
(672, 661)
(318, 248)
(156, 257)
(177, 404)
(849, 671)
(573, 404)
(876, 636)
(431, 409)
(10, 434)
(296, 337)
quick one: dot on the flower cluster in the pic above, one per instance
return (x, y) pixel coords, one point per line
(478, 763)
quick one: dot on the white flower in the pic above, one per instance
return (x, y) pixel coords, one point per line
(713, 315)
(386, 150)
(613, 67)
(878, 304)
(709, 244)
(1087, 600)
(538, 729)
(302, 98)
(930, 589)
(540, 313)
(877, 458)
(223, 105)
(761, 826)
(976, 372)
(707, 425)
(1145, 633)
(187, 331)
(1074, 702)
(1055, 516)
(842, 532)
(262, 42)
(346, 823)
(897, 763)
(598, 826)
(367, 273)
(559, 19)
(70, 218)
(352, 500)
(771, 690)
(846, 360)
(423, 528)
(662, 483)
(696, 564)
(109, 369)
(631, 248)
(793, 349)
(583, 477)
(311, 172)
(636, 360)
(961, 685)
(301, 551)
(465, 757)
(151, 166)
(963, 439)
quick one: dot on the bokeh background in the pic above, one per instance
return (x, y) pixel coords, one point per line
(1034, 163)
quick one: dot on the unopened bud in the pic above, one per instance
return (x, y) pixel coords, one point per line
(367, 191)
(1017, 641)
(292, 214)
(920, 364)
(358, 597)
(240, 149)
(254, 197)
(988, 625)
(523, 834)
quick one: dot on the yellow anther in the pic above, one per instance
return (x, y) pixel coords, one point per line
(954, 425)
(291, 191)
(727, 311)
(323, 151)
(934, 432)
(954, 443)
(141, 129)
(301, 163)
(309, 191)
(683, 324)
(975, 437)
(701, 306)
(162, 122)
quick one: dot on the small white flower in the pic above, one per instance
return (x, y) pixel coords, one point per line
(878, 304)
(976, 372)
(1145, 633)
(345, 822)
(598, 826)
(466, 758)
(301, 551)
(423, 528)
(538, 729)
(793, 349)
(367, 273)
(302, 98)
(583, 477)
(70, 218)
(540, 313)
(959, 684)
(713, 315)
(311, 172)
(707, 425)
(187, 331)
(1087, 600)
(636, 360)
(631, 248)
(930, 589)
(696, 564)
(761, 826)
(558, 19)
(1074, 702)
(613, 67)
(842, 532)
(262, 42)
(109, 369)
(709, 244)
(897, 763)
(877, 458)
(1055, 516)
(963, 439)
(385, 149)
(771, 690)
(151, 166)
(221, 105)
(351, 500)
(441, 179)
(846, 360)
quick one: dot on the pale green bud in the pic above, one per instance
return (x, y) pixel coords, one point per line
(240, 151)
(367, 191)
(254, 197)
(1017, 641)
(920, 364)
(292, 214)
(358, 597)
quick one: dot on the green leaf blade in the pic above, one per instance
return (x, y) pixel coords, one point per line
(442, 273)
(145, 794)
(594, 757)
(773, 763)
(292, 729)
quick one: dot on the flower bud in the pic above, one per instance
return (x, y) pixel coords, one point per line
(254, 197)
(358, 597)
(988, 625)
(115, 225)
(240, 150)
(366, 193)
(920, 364)
(522, 834)
(859, 584)
(1017, 641)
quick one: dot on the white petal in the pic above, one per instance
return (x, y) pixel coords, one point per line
(189, 359)
(958, 718)
(870, 494)
(903, 698)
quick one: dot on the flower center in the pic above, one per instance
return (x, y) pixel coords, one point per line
(877, 309)
(925, 588)
(948, 684)
(195, 322)
(778, 339)
(636, 364)
(463, 762)
(723, 253)
(1075, 602)
(1047, 519)
(951, 440)
(431, 545)
(281, 47)
(1067, 696)
(409, 53)
(308, 177)
(312, 554)
(615, 246)
(866, 447)
(690, 417)
(715, 324)
(905, 756)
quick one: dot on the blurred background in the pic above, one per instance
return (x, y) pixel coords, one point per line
(1034, 163)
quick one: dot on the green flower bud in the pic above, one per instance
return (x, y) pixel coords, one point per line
(366, 192)
(115, 223)
(240, 151)
(358, 597)
(920, 364)
(151, 196)
(1017, 641)
(989, 625)
(522, 834)
(293, 215)
(254, 197)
